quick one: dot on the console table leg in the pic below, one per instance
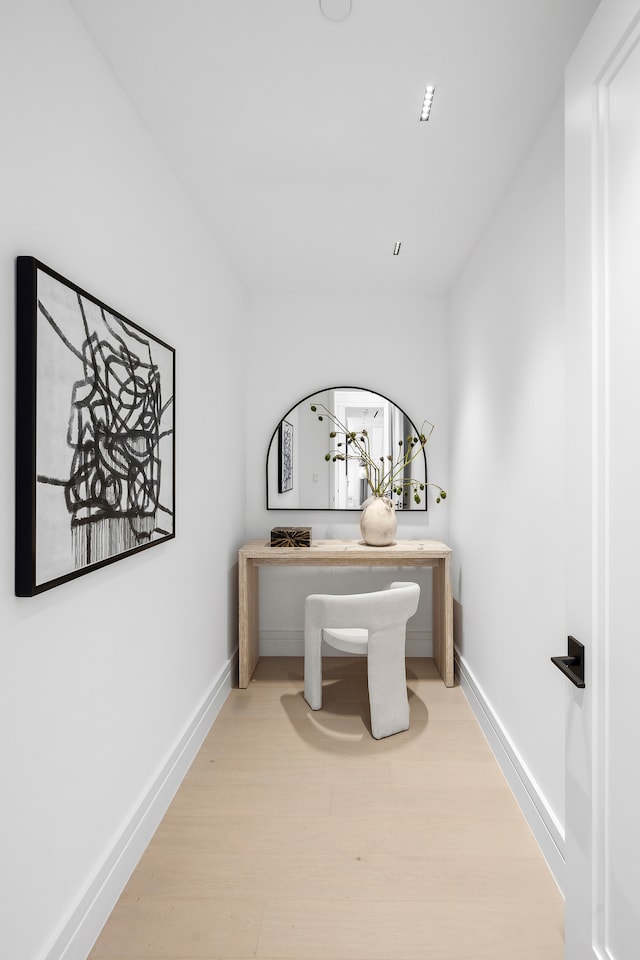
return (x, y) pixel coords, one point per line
(443, 621)
(249, 646)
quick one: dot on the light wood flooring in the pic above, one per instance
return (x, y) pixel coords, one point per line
(296, 836)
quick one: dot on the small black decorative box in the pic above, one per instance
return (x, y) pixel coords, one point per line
(291, 537)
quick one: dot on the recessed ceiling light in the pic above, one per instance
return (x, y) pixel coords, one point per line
(335, 10)
(396, 248)
(427, 102)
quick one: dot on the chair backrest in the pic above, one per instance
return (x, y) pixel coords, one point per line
(375, 611)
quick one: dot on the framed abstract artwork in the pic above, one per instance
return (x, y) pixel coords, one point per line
(285, 457)
(95, 439)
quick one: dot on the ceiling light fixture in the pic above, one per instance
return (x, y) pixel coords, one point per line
(427, 102)
(335, 10)
(396, 248)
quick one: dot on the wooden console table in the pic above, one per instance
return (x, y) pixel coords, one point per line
(346, 553)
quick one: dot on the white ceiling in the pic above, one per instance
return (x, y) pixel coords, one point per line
(299, 140)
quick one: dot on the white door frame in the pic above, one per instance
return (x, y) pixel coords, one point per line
(610, 38)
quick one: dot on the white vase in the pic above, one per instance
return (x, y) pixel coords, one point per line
(378, 522)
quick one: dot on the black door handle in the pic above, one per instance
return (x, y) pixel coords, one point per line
(572, 665)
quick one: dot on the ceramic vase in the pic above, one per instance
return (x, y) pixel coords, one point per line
(378, 522)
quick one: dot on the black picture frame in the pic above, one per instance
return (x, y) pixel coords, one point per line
(95, 437)
(285, 456)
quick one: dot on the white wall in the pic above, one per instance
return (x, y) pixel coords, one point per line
(300, 344)
(507, 460)
(102, 677)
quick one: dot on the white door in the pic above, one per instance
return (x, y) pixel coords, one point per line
(603, 466)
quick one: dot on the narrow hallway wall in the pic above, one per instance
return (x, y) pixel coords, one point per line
(507, 469)
(101, 679)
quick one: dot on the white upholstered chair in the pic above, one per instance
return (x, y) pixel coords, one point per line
(371, 624)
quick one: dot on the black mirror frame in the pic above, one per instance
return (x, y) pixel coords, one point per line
(275, 434)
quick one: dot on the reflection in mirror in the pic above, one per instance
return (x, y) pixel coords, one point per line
(315, 484)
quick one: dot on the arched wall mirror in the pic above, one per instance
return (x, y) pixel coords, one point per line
(299, 477)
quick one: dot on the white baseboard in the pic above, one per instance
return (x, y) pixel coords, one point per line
(290, 643)
(537, 811)
(86, 921)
